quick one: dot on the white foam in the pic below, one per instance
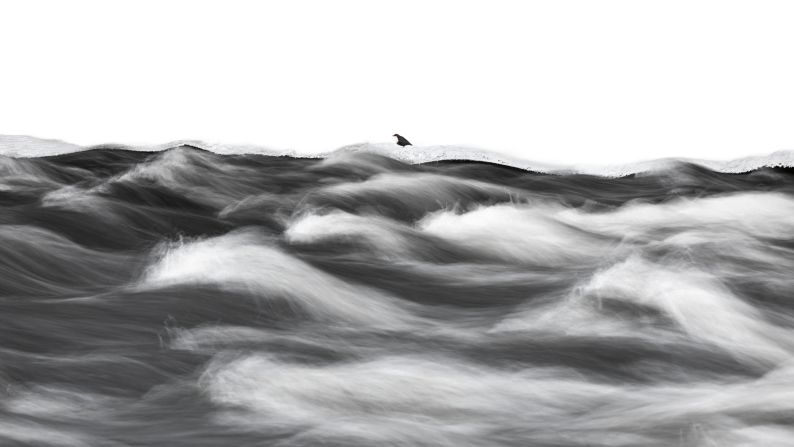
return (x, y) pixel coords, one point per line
(383, 234)
(418, 186)
(26, 146)
(404, 399)
(765, 214)
(699, 306)
(686, 284)
(245, 261)
(552, 233)
(523, 233)
(697, 302)
(379, 398)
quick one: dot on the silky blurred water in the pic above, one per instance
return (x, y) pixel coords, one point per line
(186, 298)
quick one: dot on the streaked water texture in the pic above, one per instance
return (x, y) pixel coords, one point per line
(186, 298)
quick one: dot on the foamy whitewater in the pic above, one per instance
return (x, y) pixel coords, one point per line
(385, 296)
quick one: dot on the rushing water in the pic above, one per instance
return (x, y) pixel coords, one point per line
(185, 298)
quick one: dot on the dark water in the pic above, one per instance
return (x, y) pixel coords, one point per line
(185, 298)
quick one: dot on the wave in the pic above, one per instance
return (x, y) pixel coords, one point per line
(422, 401)
(188, 297)
(26, 146)
(244, 261)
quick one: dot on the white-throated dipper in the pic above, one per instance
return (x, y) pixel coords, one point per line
(402, 141)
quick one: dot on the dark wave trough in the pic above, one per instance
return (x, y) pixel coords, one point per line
(185, 298)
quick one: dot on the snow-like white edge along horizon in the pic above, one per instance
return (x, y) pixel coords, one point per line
(23, 146)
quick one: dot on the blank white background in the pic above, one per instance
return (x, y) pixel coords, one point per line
(559, 81)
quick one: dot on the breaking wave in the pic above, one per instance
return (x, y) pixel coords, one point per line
(186, 297)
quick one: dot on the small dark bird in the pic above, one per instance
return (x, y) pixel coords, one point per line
(402, 141)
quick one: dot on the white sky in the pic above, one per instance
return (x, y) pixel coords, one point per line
(557, 81)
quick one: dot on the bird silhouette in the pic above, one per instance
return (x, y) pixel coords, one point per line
(402, 141)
